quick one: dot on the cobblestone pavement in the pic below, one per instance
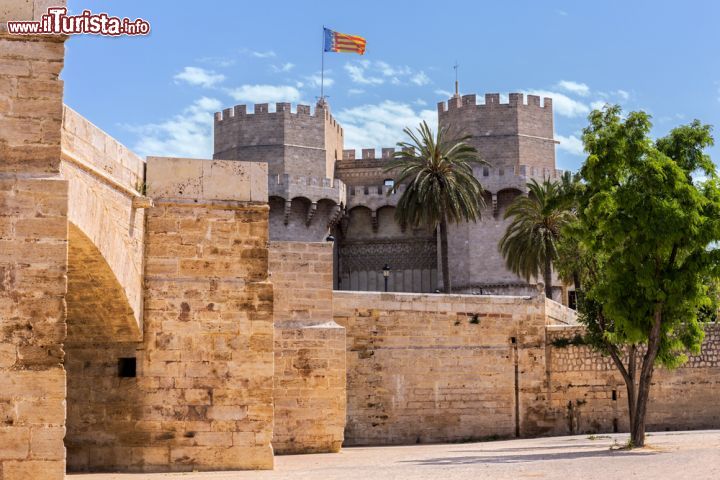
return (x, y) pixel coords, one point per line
(669, 455)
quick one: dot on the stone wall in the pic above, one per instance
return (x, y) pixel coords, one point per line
(446, 368)
(588, 395)
(202, 394)
(33, 251)
(104, 178)
(310, 373)
(442, 368)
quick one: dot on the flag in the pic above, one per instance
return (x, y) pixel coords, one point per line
(344, 43)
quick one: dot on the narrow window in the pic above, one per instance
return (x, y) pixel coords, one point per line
(389, 182)
(127, 367)
(486, 172)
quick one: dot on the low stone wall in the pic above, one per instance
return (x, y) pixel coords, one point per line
(310, 375)
(588, 395)
(442, 368)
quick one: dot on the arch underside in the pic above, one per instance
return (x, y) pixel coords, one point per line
(97, 307)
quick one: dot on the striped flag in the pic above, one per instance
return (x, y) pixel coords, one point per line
(344, 43)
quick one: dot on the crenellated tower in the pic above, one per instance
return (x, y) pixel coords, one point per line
(506, 134)
(316, 188)
(300, 148)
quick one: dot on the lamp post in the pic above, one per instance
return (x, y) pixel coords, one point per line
(386, 274)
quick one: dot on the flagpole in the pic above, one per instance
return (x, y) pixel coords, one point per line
(322, 68)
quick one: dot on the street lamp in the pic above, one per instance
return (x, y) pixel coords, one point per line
(386, 274)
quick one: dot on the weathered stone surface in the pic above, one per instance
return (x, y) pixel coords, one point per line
(33, 255)
(439, 368)
(203, 395)
(310, 374)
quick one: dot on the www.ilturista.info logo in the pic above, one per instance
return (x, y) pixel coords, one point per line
(58, 22)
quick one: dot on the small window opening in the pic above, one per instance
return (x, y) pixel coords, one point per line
(486, 172)
(513, 340)
(614, 394)
(389, 182)
(127, 367)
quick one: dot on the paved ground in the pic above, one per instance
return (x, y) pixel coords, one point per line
(671, 455)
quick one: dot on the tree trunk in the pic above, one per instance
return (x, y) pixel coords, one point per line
(447, 288)
(637, 428)
(547, 274)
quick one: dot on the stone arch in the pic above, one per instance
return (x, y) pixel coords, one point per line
(101, 330)
(359, 222)
(504, 198)
(97, 308)
(387, 225)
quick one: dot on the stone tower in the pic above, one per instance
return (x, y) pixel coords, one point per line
(516, 139)
(317, 189)
(301, 149)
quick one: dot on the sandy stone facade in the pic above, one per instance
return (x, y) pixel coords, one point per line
(156, 315)
(201, 396)
(310, 372)
(33, 253)
(449, 368)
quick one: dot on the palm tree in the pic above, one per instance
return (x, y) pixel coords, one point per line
(530, 244)
(440, 185)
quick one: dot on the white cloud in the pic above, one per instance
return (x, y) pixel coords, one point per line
(574, 87)
(366, 72)
(265, 93)
(381, 125)
(597, 105)
(187, 134)
(420, 102)
(562, 13)
(285, 67)
(358, 75)
(268, 54)
(314, 81)
(390, 71)
(420, 79)
(199, 76)
(562, 104)
(355, 91)
(623, 94)
(444, 93)
(571, 144)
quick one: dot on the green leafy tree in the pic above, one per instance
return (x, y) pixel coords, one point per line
(648, 217)
(530, 243)
(440, 187)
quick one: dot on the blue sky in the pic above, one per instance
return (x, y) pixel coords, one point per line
(156, 94)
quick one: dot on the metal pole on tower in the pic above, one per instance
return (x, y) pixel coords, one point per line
(457, 90)
(322, 69)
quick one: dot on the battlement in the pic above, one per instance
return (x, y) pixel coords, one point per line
(266, 109)
(282, 111)
(314, 189)
(492, 100)
(369, 154)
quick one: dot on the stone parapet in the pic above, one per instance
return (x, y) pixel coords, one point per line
(288, 186)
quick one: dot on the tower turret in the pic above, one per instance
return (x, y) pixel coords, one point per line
(506, 134)
(300, 148)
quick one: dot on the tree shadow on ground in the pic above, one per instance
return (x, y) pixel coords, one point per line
(469, 460)
(530, 449)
